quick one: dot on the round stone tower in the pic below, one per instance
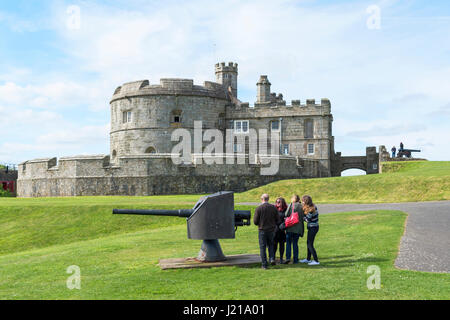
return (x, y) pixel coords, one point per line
(143, 116)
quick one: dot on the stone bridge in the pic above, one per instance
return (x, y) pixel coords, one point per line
(370, 163)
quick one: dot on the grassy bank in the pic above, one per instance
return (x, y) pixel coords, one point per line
(400, 182)
(36, 223)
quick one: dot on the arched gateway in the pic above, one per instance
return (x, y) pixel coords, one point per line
(369, 163)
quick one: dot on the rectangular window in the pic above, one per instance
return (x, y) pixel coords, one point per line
(309, 128)
(286, 149)
(237, 148)
(241, 126)
(238, 127)
(127, 116)
(244, 126)
(310, 148)
(275, 125)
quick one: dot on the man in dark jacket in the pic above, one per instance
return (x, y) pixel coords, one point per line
(267, 219)
(394, 150)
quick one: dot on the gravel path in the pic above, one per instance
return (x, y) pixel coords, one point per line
(425, 246)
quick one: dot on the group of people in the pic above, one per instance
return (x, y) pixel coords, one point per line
(275, 231)
(394, 149)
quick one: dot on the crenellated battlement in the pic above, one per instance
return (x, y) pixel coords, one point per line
(230, 67)
(278, 102)
(177, 84)
(170, 86)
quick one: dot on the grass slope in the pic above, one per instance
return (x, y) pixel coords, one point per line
(401, 182)
(125, 266)
(36, 223)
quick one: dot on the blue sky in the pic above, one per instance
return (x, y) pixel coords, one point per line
(386, 84)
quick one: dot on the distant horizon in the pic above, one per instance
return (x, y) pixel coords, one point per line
(384, 65)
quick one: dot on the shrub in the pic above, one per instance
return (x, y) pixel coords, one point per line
(5, 193)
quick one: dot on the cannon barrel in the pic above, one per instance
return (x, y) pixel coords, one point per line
(183, 213)
(239, 215)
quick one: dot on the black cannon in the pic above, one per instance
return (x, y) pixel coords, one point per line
(406, 153)
(212, 218)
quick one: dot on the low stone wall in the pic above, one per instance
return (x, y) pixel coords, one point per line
(148, 175)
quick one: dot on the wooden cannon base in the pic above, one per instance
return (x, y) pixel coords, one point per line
(189, 263)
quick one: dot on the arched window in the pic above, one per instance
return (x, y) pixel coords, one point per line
(150, 150)
(114, 154)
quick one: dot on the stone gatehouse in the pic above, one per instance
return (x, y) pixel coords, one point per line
(145, 116)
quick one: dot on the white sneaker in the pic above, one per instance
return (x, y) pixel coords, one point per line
(313, 263)
(305, 261)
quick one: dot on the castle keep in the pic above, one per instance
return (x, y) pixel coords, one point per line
(144, 117)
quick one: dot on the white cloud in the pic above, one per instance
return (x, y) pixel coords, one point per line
(383, 84)
(52, 95)
(81, 136)
(63, 140)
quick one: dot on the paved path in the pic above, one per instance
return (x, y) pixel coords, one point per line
(425, 246)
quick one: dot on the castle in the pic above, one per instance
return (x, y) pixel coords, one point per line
(145, 116)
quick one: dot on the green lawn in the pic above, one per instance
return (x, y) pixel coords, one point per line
(401, 182)
(118, 255)
(124, 266)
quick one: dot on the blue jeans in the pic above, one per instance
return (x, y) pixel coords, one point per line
(292, 238)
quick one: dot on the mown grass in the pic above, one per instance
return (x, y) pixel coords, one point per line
(401, 182)
(124, 266)
(36, 223)
(118, 255)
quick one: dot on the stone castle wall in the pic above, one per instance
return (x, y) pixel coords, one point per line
(292, 129)
(147, 175)
(153, 110)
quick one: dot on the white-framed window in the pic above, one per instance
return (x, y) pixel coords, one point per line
(275, 125)
(310, 148)
(241, 126)
(126, 116)
(237, 147)
(285, 149)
